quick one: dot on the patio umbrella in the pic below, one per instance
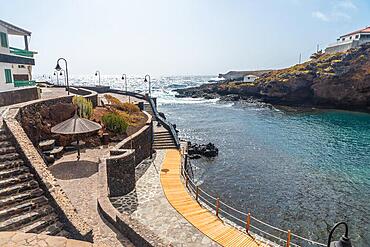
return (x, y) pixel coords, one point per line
(75, 126)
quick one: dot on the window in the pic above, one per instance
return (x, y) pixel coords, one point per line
(350, 37)
(357, 36)
(343, 39)
(8, 76)
(21, 66)
(4, 39)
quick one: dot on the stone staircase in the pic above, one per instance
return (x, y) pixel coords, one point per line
(149, 110)
(163, 140)
(23, 204)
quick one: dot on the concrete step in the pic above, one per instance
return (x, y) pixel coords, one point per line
(26, 218)
(17, 188)
(15, 179)
(47, 145)
(11, 164)
(165, 147)
(23, 206)
(5, 144)
(5, 173)
(4, 137)
(166, 139)
(53, 229)
(40, 224)
(7, 150)
(11, 156)
(26, 195)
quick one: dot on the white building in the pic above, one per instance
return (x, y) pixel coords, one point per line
(350, 40)
(250, 78)
(15, 63)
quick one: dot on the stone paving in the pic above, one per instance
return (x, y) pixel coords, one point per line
(20, 239)
(148, 204)
(79, 180)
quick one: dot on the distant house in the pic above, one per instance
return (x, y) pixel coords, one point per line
(350, 40)
(15, 63)
(239, 75)
(250, 78)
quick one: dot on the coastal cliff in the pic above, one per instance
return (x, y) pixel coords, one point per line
(340, 80)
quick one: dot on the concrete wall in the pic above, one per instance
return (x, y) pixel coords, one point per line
(3, 85)
(4, 50)
(18, 95)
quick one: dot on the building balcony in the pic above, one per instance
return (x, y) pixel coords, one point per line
(16, 59)
(24, 83)
(20, 52)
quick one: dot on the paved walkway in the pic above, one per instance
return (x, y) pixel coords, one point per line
(200, 217)
(20, 239)
(148, 205)
(79, 180)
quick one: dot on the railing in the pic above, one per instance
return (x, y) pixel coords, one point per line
(166, 124)
(24, 83)
(21, 52)
(244, 221)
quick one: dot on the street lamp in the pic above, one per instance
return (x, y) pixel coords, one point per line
(145, 80)
(96, 74)
(344, 239)
(58, 68)
(61, 73)
(124, 77)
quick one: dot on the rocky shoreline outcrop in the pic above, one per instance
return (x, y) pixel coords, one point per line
(339, 81)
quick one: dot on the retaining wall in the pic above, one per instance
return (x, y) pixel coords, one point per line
(18, 95)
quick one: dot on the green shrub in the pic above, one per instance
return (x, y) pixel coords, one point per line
(114, 122)
(85, 106)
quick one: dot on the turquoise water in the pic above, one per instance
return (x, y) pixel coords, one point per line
(302, 171)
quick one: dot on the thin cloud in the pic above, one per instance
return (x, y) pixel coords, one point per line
(320, 15)
(346, 5)
(340, 11)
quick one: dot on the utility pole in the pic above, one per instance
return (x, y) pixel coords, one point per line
(300, 58)
(318, 48)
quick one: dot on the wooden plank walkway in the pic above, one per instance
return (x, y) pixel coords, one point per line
(199, 217)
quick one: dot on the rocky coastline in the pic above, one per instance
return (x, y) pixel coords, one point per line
(336, 81)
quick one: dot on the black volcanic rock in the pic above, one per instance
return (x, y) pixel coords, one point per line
(340, 80)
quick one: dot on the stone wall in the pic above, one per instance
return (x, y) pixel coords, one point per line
(18, 95)
(47, 182)
(117, 178)
(124, 158)
(136, 232)
(88, 94)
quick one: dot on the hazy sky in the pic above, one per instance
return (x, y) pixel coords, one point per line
(180, 37)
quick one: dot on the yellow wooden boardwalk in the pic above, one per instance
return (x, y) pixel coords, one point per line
(199, 217)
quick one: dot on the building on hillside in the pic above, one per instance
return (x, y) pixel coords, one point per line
(250, 78)
(239, 75)
(350, 40)
(15, 63)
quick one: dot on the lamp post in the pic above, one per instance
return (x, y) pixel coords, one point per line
(145, 80)
(96, 74)
(344, 240)
(56, 73)
(58, 68)
(124, 77)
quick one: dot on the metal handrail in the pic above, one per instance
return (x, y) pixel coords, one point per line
(201, 199)
(162, 120)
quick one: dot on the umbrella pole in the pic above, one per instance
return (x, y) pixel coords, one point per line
(78, 147)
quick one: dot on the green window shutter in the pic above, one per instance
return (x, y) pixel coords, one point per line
(4, 39)
(8, 76)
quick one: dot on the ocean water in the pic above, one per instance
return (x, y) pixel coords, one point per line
(302, 171)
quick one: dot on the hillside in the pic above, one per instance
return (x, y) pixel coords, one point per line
(340, 80)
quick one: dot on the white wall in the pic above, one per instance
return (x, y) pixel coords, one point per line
(4, 50)
(249, 78)
(3, 84)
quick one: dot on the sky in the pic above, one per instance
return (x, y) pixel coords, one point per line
(179, 37)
